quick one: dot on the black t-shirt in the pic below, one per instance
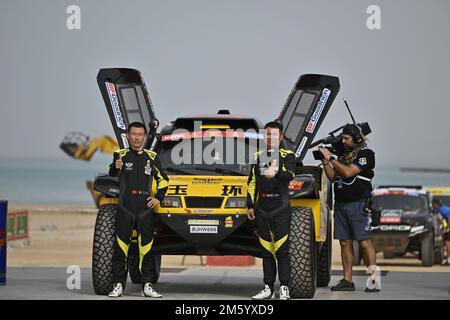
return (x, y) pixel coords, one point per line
(360, 186)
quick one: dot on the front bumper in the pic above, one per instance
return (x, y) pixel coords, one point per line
(395, 238)
(201, 234)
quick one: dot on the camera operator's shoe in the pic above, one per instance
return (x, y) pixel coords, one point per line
(117, 291)
(148, 291)
(284, 293)
(264, 294)
(373, 281)
(343, 285)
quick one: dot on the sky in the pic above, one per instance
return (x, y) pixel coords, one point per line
(199, 56)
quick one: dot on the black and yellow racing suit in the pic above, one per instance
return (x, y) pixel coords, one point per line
(135, 178)
(270, 200)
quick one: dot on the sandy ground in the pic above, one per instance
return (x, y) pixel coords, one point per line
(60, 236)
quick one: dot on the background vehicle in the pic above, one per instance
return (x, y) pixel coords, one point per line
(204, 211)
(80, 146)
(441, 193)
(407, 224)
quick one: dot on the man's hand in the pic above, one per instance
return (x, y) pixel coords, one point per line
(152, 202)
(251, 214)
(119, 163)
(270, 173)
(326, 153)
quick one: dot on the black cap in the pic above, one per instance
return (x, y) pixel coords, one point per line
(351, 129)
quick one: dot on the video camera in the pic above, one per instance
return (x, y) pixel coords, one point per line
(334, 142)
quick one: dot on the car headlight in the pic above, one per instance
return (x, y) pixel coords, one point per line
(171, 202)
(236, 202)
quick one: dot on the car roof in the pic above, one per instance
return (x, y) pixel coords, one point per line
(399, 191)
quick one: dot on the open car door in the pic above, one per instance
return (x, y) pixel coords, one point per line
(127, 100)
(305, 109)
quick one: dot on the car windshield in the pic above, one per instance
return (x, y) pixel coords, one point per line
(221, 156)
(398, 202)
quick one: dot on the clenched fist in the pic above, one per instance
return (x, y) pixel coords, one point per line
(251, 214)
(119, 163)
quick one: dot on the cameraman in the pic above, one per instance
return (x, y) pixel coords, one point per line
(351, 174)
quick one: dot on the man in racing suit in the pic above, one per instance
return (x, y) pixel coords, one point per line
(136, 168)
(268, 203)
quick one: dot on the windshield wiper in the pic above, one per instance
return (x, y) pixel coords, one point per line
(221, 170)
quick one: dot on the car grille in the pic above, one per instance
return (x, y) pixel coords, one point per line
(203, 202)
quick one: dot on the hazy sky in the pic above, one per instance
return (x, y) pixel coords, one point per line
(199, 56)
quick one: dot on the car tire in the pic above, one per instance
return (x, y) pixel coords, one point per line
(324, 257)
(302, 253)
(103, 249)
(427, 249)
(439, 254)
(389, 255)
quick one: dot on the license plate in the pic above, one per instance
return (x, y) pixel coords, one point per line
(203, 229)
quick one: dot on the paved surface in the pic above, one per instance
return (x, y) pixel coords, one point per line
(218, 284)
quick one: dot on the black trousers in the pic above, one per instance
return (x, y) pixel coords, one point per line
(125, 222)
(273, 229)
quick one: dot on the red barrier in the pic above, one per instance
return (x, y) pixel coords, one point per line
(238, 261)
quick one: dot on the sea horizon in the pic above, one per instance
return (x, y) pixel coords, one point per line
(63, 181)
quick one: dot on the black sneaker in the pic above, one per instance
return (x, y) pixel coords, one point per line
(344, 285)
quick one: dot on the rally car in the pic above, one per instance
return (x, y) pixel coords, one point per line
(407, 224)
(204, 210)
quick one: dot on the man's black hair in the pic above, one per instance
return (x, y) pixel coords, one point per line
(276, 124)
(136, 125)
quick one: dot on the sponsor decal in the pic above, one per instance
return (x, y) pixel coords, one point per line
(231, 190)
(211, 133)
(203, 211)
(206, 181)
(114, 190)
(124, 140)
(115, 105)
(390, 216)
(148, 168)
(390, 220)
(296, 185)
(177, 190)
(391, 213)
(203, 229)
(316, 114)
(362, 161)
(301, 146)
(395, 228)
(129, 166)
(203, 222)
(229, 222)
